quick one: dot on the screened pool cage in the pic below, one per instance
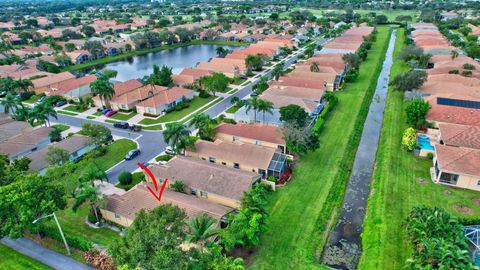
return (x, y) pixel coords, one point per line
(473, 235)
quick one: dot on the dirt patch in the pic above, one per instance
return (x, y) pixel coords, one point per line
(476, 201)
(464, 209)
(421, 180)
(244, 253)
(447, 192)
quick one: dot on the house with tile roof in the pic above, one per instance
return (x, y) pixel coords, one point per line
(258, 134)
(72, 88)
(206, 180)
(459, 135)
(164, 100)
(127, 95)
(122, 209)
(457, 167)
(41, 85)
(242, 156)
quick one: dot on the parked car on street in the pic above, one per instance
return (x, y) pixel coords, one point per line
(169, 150)
(110, 113)
(132, 154)
(135, 128)
(105, 111)
(60, 103)
(122, 125)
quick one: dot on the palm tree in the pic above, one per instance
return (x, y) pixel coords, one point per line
(454, 54)
(220, 51)
(314, 67)
(252, 104)
(201, 228)
(265, 106)
(176, 135)
(21, 113)
(103, 88)
(92, 173)
(9, 103)
(48, 111)
(203, 123)
(5, 48)
(87, 193)
(7, 84)
(23, 85)
(277, 71)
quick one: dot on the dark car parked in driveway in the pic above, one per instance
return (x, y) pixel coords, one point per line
(132, 154)
(60, 103)
(122, 125)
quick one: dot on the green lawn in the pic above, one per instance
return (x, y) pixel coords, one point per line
(115, 153)
(73, 223)
(11, 259)
(123, 116)
(32, 99)
(294, 236)
(204, 109)
(67, 113)
(391, 13)
(61, 127)
(233, 109)
(91, 117)
(396, 190)
(110, 121)
(97, 113)
(73, 108)
(195, 104)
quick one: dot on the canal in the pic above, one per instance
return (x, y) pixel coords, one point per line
(179, 58)
(344, 246)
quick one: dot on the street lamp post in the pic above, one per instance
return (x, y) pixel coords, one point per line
(59, 228)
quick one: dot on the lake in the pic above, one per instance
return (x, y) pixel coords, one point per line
(179, 58)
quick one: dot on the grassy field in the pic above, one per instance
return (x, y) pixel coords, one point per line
(11, 259)
(294, 232)
(115, 153)
(391, 14)
(73, 108)
(196, 103)
(395, 188)
(123, 116)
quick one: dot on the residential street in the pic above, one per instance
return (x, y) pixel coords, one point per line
(151, 143)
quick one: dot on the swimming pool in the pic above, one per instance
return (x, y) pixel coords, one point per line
(424, 142)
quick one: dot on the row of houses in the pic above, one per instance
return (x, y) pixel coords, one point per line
(233, 64)
(18, 139)
(453, 90)
(307, 83)
(215, 174)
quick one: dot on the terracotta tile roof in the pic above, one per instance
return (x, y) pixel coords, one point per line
(221, 67)
(52, 79)
(460, 135)
(183, 79)
(453, 114)
(232, 61)
(195, 72)
(166, 96)
(249, 155)
(265, 133)
(138, 198)
(458, 159)
(138, 94)
(127, 86)
(313, 94)
(203, 175)
(298, 82)
(282, 101)
(322, 77)
(69, 85)
(322, 69)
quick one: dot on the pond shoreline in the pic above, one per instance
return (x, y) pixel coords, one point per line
(110, 59)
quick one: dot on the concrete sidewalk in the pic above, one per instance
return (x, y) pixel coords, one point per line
(46, 256)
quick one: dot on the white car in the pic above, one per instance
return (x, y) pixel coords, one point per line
(169, 150)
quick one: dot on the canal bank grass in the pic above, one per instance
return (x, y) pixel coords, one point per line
(396, 190)
(11, 259)
(122, 56)
(195, 104)
(298, 212)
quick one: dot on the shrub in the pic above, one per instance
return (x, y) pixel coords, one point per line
(351, 75)
(454, 71)
(73, 241)
(99, 260)
(178, 186)
(125, 178)
(91, 217)
(468, 66)
(163, 158)
(467, 73)
(229, 121)
(430, 155)
(203, 94)
(409, 139)
(26, 95)
(272, 178)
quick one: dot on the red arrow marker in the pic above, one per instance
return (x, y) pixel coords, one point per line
(154, 193)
